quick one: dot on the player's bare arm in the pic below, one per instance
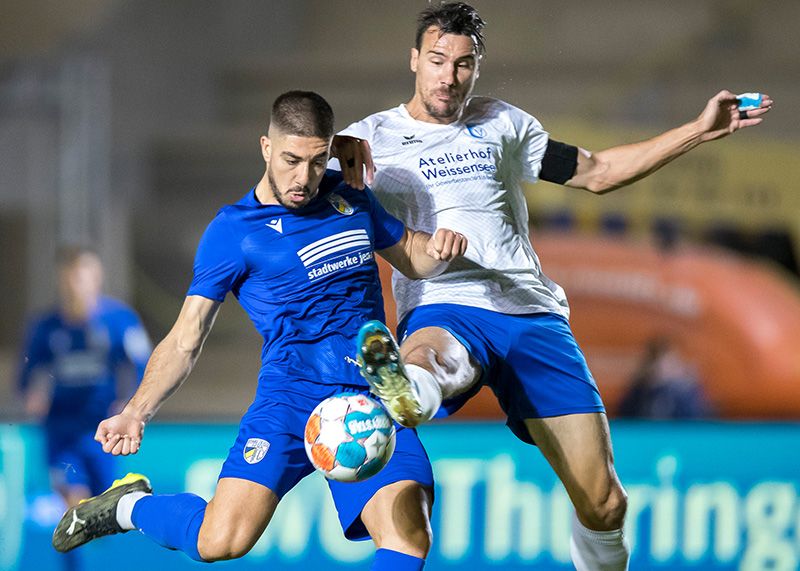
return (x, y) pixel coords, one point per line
(37, 397)
(169, 365)
(419, 255)
(613, 168)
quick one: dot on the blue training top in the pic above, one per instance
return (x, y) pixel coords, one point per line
(83, 361)
(307, 277)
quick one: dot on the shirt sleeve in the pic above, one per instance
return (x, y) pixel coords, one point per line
(388, 229)
(359, 130)
(531, 143)
(35, 353)
(219, 263)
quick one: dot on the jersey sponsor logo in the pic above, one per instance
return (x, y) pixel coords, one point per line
(337, 252)
(474, 162)
(476, 131)
(411, 140)
(81, 368)
(255, 450)
(276, 224)
(340, 204)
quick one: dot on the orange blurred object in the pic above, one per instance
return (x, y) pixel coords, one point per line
(737, 320)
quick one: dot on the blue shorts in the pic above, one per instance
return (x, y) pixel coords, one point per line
(531, 362)
(75, 459)
(277, 419)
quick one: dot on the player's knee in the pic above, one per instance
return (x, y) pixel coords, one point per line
(424, 356)
(421, 539)
(606, 512)
(223, 543)
(453, 371)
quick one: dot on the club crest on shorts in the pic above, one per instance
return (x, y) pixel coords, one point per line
(255, 450)
(340, 204)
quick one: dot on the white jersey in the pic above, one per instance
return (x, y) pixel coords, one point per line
(466, 176)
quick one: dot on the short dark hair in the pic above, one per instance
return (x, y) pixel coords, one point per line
(303, 113)
(453, 18)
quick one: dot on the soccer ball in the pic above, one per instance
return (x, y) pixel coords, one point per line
(349, 437)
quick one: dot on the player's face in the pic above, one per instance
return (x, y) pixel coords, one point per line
(447, 67)
(295, 166)
(81, 282)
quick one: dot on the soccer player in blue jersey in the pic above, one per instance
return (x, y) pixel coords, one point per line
(447, 158)
(80, 362)
(297, 252)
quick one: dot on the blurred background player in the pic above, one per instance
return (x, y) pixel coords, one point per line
(665, 386)
(445, 158)
(81, 361)
(297, 252)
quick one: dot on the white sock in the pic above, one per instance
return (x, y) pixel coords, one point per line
(428, 390)
(125, 509)
(598, 550)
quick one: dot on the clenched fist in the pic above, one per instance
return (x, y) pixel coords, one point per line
(446, 245)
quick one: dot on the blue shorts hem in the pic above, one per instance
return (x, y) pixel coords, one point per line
(243, 476)
(550, 413)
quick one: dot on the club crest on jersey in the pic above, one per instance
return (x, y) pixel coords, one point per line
(255, 450)
(340, 204)
(476, 131)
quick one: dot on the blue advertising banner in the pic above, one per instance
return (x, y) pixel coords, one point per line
(701, 496)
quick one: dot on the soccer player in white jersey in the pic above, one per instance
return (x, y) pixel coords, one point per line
(450, 159)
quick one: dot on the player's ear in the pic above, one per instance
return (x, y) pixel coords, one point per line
(414, 59)
(266, 148)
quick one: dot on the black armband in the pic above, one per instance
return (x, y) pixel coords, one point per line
(559, 162)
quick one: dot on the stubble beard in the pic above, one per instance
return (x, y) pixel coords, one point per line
(450, 110)
(277, 193)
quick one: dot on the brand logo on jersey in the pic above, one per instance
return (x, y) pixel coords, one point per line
(340, 204)
(276, 224)
(411, 139)
(337, 252)
(476, 131)
(255, 450)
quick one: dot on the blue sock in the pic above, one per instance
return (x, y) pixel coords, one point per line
(388, 560)
(171, 520)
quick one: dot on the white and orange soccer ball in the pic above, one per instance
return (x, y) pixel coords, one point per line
(349, 437)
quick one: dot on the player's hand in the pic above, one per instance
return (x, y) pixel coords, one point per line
(355, 157)
(721, 116)
(446, 245)
(121, 434)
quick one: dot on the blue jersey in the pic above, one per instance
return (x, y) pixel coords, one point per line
(307, 277)
(83, 361)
